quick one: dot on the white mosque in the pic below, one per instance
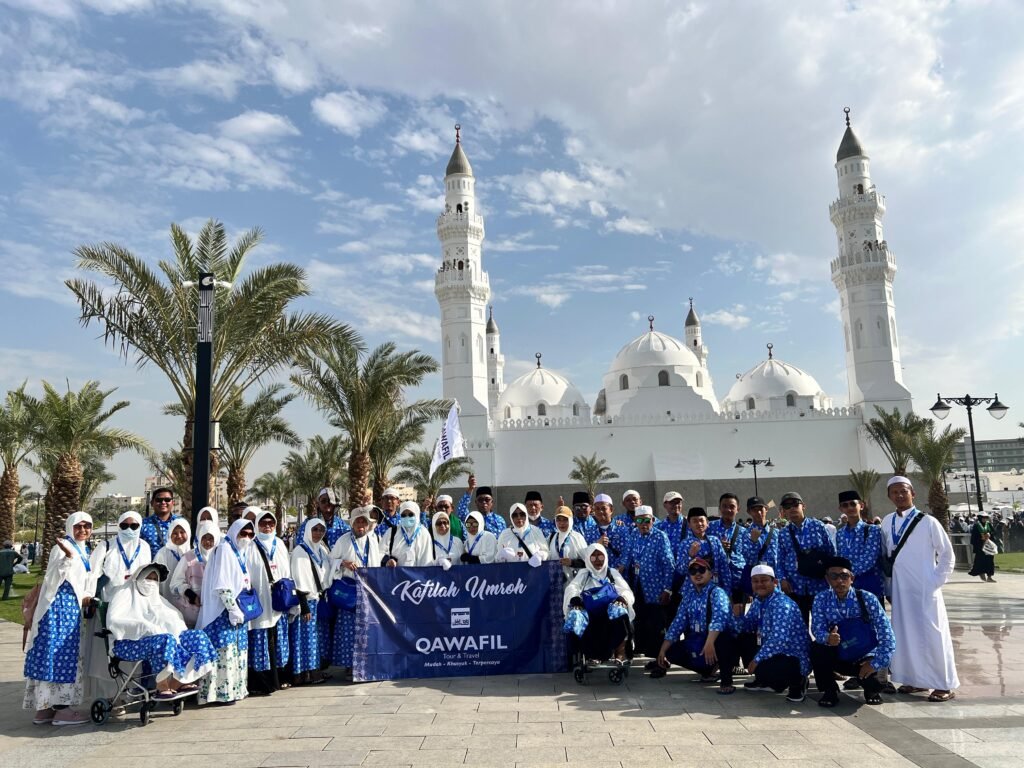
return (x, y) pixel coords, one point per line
(658, 421)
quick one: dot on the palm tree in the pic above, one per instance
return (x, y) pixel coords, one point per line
(151, 316)
(274, 487)
(590, 472)
(414, 470)
(895, 433)
(864, 483)
(170, 467)
(360, 394)
(403, 431)
(15, 446)
(933, 453)
(67, 428)
(321, 465)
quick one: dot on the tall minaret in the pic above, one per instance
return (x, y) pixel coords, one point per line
(462, 289)
(863, 275)
(495, 368)
(693, 337)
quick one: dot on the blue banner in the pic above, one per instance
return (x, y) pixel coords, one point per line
(470, 620)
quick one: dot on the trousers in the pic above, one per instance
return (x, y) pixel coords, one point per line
(779, 673)
(726, 648)
(825, 662)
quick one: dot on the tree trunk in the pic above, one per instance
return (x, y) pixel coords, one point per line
(10, 484)
(185, 482)
(358, 477)
(939, 504)
(379, 486)
(236, 485)
(211, 488)
(62, 498)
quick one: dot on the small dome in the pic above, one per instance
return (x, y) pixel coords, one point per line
(492, 327)
(458, 163)
(654, 349)
(541, 386)
(849, 146)
(773, 378)
(691, 317)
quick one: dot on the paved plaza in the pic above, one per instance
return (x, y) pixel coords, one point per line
(549, 720)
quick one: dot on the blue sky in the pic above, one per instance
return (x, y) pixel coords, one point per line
(628, 156)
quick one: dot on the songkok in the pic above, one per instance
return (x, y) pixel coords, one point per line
(533, 496)
(602, 498)
(696, 512)
(839, 562)
(899, 479)
(849, 496)
(762, 569)
(484, 490)
(563, 512)
(580, 497)
(631, 492)
(672, 496)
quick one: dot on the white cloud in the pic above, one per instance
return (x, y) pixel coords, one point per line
(219, 79)
(517, 243)
(727, 263)
(255, 126)
(596, 209)
(426, 195)
(730, 319)
(685, 247)
(630, 226)
(349, 112)
(791, 269)
(421, 141)
(29, 271)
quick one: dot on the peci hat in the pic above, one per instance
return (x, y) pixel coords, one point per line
(899, 479)
(762, 569)
(838, 562)
(643, 511)
(534, 496)
(696, 512)
(630, 492)
(849, 496)
(484, 490)
(602, 498)
(580, 497)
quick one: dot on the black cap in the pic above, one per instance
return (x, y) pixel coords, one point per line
(533, 496)
(849, 496)
(755, 501)
(791, 496)
(484, 490)
(838, 562)
(696, 512)
(581, 497)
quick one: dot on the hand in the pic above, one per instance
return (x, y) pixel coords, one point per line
(307, 617)
(751, 667)
(472, 483)
(737, 609)
(566, 561)
(833, 637)
(604, 541)
(63, 547)
(576, 602)
(561, 501)
(984, 537)
(392, 563)
(665, 597)
(694, 548)
(755, 534)
(352, 566)
(866, 670)
(709, 653)
(662, 661)
(428, 503)
(726, 544)
(786, 586)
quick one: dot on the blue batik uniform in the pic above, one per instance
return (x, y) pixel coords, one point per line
(585, 527)
(676, 532)
(691, 618)
(862, 545)
(155, 531)
(711, 550)
(732, 533)
(828, 611)
(648, 560)
(781, 628)
(547, 527)
(812, 535)
(764, 550)
(624, 518)
(617, 541)
(493, 522)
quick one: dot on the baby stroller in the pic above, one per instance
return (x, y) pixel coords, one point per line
(132, 684)
(591, 652)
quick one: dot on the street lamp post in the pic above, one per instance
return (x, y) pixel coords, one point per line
(967, 493)
(755, 463)
(35, 528)
(997, 410)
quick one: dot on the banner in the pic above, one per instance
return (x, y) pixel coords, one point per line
(449, 444)
(470, 620)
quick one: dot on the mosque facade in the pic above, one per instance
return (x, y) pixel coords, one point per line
(658, 421)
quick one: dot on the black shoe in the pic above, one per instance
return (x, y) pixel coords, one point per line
(853, 684)
(828, 699)
(658, 672)
(652, 664)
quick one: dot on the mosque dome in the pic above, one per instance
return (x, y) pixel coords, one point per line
(541, 393)
(653, 349)
(774, 384)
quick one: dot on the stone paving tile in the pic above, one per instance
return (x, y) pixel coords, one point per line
(948, 735)
(319, 759)
(415, 757)
(541, 754)
(205, 747)
(731, 752)
(794, 738)
(500, 742)
(498, 728)
(345, 742)
(531, 740)
(634, 754)
(442, 728)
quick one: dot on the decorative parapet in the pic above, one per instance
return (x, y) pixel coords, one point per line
(665, 419)
(845, 203)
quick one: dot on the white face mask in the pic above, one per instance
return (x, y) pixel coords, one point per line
(148, 587)
(129, 535)
(243, 542)
(267, 537)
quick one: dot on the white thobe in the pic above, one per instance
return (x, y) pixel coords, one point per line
(924, 646)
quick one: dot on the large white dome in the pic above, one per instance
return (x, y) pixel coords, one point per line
(653, 349)
(773, 384)
(539, 393)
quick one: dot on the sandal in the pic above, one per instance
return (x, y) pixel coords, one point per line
(910, 689)
(872, 698)
(726, 690)
(941, 696)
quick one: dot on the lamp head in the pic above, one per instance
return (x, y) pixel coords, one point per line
(941, 408)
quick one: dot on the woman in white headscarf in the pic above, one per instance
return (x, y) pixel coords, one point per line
(408, 543)
(311, 565)
(186, 583)
(481, 545)
(448, 547)
(54, 672)
(146, 627)
(227, 576)
(359, 548)
(566, 545)
(522, 542)
(119, 559)
(606, 603)
(268, 634)
(179, 537)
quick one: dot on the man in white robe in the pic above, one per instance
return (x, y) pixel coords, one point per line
(924, 648)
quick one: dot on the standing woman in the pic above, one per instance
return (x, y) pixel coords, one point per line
(118, 560)
(566, 545)
(359, 548)
(177, 546)
(53, 667)
(408, 543)
(984, 562)
(268, 633)
(448, 547)
(187, 580)
(481, 545)
(310, 568)
(228, 574)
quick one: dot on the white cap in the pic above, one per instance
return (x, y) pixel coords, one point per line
(644, 511)
(602, 498)
(443, 497)
(363, 512)
(899, 479)
(762, 569)
(407, 505)
(393, 492)
(329, 492)
(672, 496)
(630, 492)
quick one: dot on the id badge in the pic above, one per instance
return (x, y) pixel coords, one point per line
(636, 568)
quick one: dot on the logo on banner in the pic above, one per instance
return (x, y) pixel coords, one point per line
(460, 618)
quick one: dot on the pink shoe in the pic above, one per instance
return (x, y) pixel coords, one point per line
(71, 717)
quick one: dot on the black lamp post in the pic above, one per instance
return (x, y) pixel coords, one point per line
(997, 410)
(755, 463)
(35, 528)
(965, 478)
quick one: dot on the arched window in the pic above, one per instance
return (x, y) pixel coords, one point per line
(790, 400)
(750, 404)
(700, 379)
(575, 409)
(508, 411)
(462, 264)
(623, 381)
(662, 378)
(542, 409)
(458, 208)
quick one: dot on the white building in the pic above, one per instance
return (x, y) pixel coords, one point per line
(658, 421)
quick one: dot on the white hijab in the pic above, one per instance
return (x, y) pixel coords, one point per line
(225, 572)
(303, 564)
(136, 552)
(483, 543)
(214, 515)
(213, 529)
(140, 611)
(603, 572)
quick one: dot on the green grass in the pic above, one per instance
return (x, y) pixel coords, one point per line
(1010, 560)
(10, 610)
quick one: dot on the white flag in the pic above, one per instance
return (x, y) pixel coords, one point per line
(449, 444)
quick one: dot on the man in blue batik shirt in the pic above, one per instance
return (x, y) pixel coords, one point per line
(807, 536)
(760, 542)
(535, 513)
(157, 526)
(581, 508)
(673, 524)
(647, 565)
(389, 501)
(729, 531)
(852, 635)
(783, 660)
(608, 533)
(630, 501)
(493, 522)
(861, 544)
(698, 544)
(327, 508)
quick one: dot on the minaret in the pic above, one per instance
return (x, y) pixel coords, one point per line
(495, 367)
(863, 275)
(462, 289)
(693, 337)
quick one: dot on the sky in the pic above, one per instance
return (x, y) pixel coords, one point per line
(628, 155)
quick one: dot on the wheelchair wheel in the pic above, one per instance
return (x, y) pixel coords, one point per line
(579, 675)
(144, 715)
(100, 711)
(616, 676)
(177, 708)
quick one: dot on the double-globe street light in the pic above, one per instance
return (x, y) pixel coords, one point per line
(997, 410)
(755, 463)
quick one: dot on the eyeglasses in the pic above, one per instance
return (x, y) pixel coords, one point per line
(580, 506)
(164, 500)
(126, 526)
(840, 576)
(248, 533)
(696, 570)
(642, 520)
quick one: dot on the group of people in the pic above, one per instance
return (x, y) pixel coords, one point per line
(223, 616)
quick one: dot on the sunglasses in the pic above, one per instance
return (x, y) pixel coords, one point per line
(791, 505)
(408, 514)
(164, 500)
(441, 523)
(126, 526)
(843, 576)
(696, 570)
(518, 514)
(642, 520)
(248, 533)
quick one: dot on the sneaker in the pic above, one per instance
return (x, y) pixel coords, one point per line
(795, 696)
(658, 672)
(44, 716)
(71, 717)
(652, 664)
(753, 685)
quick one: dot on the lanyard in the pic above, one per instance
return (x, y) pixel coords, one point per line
(273, 549)
(238, 557)
(124, 557)
(561, 547)
(199, 553)
(408, 541)
(312, 555)
(365, 556)
(473, 545)
(897, 535)
(85, 560)
(448, 549)
(177, 556)
(843, 608)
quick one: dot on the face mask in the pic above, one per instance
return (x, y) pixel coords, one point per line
(267, 537)
(519, 528)
(148, 587)
(408, 523)
(128, 535)
(243, 542)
